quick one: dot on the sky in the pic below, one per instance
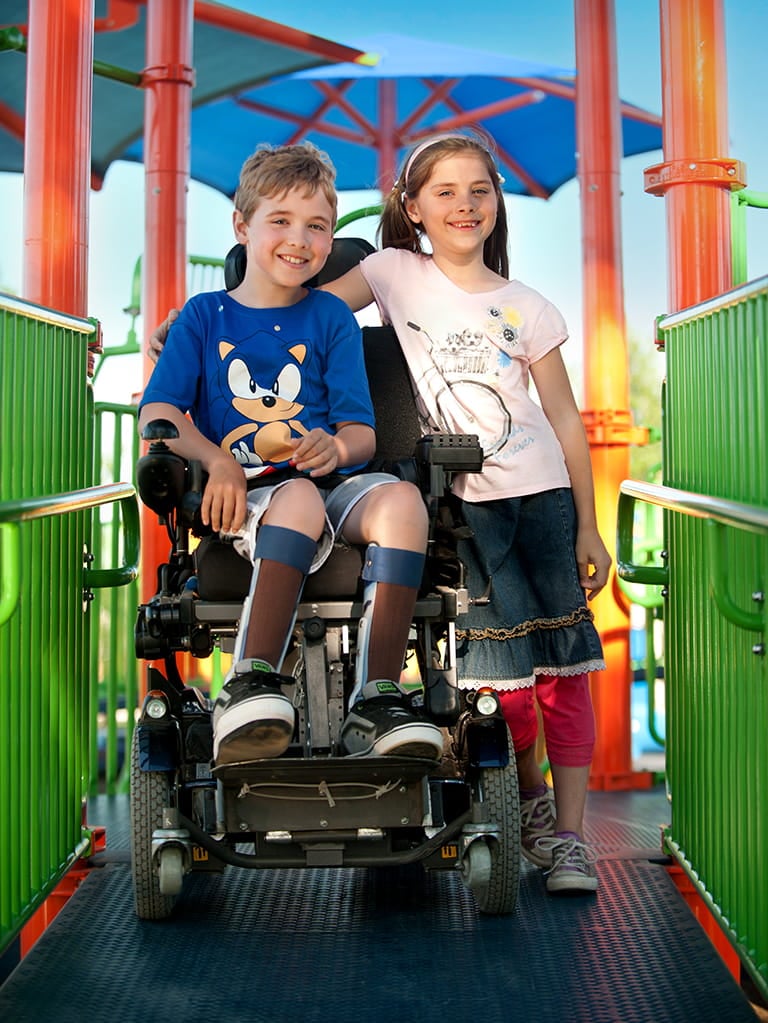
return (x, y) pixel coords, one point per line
(545, 235)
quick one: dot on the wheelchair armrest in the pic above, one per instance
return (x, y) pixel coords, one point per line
(439, 456)
(455, 452)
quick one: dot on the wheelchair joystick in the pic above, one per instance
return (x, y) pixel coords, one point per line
(159, 430)
(161, 473)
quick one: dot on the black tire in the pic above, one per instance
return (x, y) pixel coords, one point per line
(150, 792)
(497, 787)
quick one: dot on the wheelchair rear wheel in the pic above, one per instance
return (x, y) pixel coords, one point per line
(150, 792)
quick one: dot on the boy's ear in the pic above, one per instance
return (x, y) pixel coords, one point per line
(240, 226)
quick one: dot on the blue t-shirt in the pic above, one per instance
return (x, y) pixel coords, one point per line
(252, 379)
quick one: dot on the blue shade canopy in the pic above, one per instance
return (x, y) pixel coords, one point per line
(528, 108)
(231, 52)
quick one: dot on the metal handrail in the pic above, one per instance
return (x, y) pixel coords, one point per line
(719, 513)
(751, 517)
(14, 512)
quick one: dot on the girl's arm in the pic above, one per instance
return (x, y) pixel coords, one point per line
(224, 499)
(352, 288)
(557, 401)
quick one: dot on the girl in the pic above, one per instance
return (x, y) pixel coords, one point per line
(471, 337)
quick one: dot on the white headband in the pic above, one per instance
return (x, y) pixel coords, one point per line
(420, 149)
(425, 145)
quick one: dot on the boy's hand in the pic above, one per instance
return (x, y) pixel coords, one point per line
(224, 499)
(590, 550)
(315, 453)
(159, 336)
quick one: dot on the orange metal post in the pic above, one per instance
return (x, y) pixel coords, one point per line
(57, 154)
(607, 417)
(696, 177)
(168, 79)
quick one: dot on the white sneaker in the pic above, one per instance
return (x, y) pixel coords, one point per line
(537, 820)
(383, 724)
(252, 717)
(573, 865)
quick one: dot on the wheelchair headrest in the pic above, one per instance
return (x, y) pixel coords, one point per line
(345, 253)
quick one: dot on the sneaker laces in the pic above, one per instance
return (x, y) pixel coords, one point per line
(574, 853)
(536, 812)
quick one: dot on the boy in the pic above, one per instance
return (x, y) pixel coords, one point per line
(273, 376)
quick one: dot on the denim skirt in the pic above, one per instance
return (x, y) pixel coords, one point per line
(536, 620)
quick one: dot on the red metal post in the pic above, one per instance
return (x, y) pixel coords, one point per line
(168, 79)
(57, 154)
(607, 417)
(387, 135)
(696, 177)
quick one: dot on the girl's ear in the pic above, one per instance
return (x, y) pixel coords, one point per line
(412, 211)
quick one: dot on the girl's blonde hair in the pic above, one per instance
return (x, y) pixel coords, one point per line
(398, 231)
(275, 170)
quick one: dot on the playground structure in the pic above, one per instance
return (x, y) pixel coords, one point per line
(713, 491)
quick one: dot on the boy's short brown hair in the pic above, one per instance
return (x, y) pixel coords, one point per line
(275, 170)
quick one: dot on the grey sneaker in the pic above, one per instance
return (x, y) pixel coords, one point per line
(383, 724)
(573, 865)
(252, 718)
(537, 820)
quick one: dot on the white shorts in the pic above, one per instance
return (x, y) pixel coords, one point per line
(339, 502)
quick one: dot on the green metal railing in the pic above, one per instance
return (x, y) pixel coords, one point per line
(715, 579)
(46, 579)
(47, 717)
(740, 202)
(645, 534)
(114, 670)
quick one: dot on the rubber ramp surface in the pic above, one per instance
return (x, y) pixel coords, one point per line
(377, 946)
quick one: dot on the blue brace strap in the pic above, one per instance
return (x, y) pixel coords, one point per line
(393, 565)
(382, 565)
(286, 546)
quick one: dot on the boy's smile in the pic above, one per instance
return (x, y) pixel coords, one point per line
(287, 239)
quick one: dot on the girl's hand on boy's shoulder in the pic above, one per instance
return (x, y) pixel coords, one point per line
(593, 560)
(159, 336)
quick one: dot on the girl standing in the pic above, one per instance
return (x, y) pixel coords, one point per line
(471, 338)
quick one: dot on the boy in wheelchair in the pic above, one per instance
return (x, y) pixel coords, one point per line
(273, 376)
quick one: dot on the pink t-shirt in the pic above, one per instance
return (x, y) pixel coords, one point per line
(469, 355)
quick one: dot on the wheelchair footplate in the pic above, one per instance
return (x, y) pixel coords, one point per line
(324, 794)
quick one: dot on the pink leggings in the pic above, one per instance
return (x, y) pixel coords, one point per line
(566, 714)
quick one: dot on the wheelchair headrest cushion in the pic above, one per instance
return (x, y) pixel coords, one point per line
(345, 253)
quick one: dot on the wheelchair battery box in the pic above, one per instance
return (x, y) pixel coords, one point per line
(454, 452)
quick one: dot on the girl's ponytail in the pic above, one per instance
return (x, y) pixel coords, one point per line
(396, 229)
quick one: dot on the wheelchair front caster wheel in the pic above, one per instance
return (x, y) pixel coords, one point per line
(496, 859)
(171, 871)
(476, 865)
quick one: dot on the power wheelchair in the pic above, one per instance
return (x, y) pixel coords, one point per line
(313, 807)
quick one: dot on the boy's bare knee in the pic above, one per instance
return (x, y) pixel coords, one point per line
(297, 505)
(395, 516)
